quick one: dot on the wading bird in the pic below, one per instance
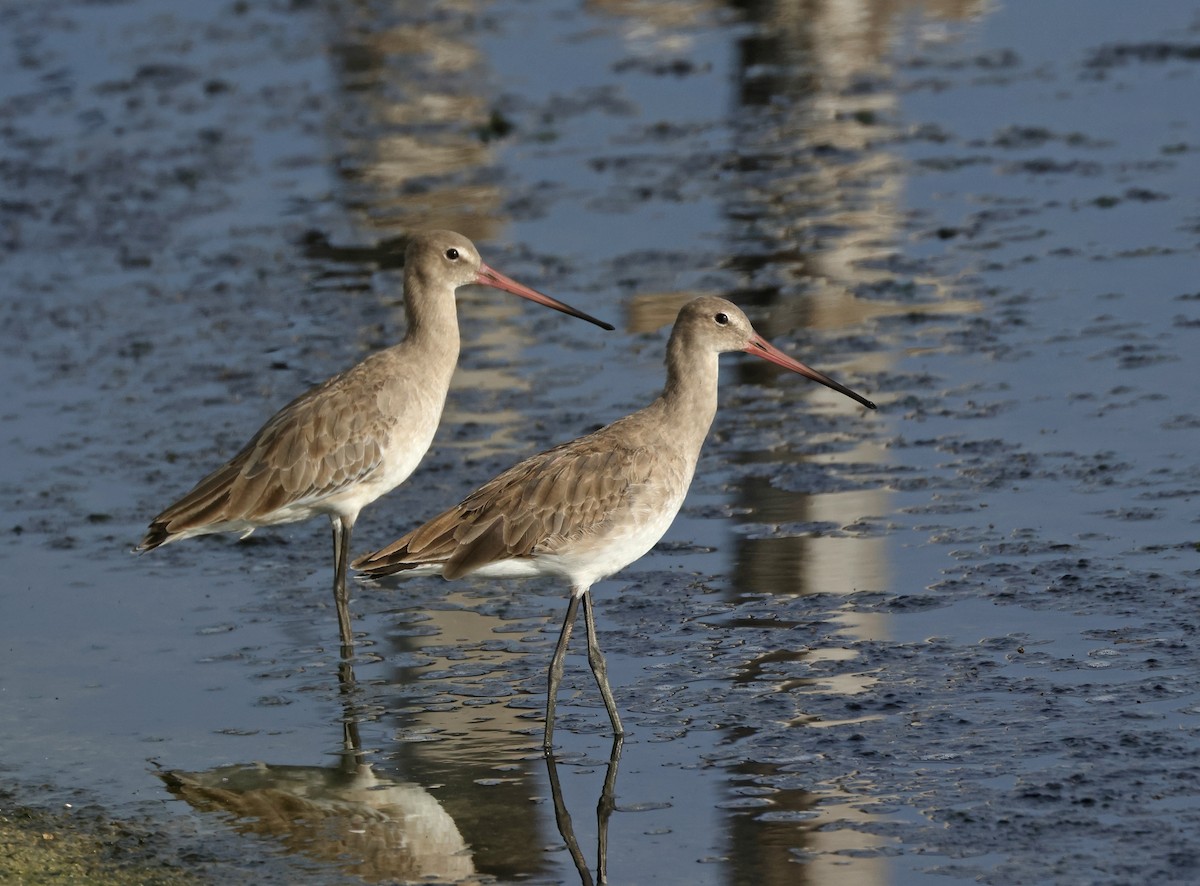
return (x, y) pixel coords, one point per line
(585, 509)
(344, 443)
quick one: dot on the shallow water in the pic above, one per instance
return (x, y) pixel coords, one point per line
(951, 641)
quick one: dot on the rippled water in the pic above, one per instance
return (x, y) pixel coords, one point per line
(950, 641)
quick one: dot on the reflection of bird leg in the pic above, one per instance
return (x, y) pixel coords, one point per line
(352, 752)
(563, 819)
(605, 807)
(366, 825)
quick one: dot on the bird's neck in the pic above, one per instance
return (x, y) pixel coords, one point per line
(432, 320)
(690, 395)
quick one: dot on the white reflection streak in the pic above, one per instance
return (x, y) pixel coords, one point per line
(852, 204)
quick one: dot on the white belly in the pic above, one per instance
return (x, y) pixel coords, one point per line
(587, 561)
(406, 447)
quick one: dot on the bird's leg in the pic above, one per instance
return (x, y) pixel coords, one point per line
(599, 666)
(342, 527)
(556, 669)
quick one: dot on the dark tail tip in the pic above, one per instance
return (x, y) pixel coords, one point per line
(378, 569)
(156, 535)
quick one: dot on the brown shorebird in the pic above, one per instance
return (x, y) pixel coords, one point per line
(341, 445)
(585, 509)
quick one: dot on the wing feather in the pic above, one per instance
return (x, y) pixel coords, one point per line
(537, 506)
(318, 445)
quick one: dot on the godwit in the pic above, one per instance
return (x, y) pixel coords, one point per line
(585, 509)
(341, 445)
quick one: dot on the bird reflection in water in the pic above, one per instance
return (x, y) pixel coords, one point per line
(370, 826)
(377, 828)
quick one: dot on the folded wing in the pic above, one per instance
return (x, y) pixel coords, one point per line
(545, 503)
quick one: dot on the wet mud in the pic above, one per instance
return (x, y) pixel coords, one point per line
(953, 641)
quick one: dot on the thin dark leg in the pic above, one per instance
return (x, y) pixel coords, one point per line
(556, 669)
(599, 666)
(341, 596)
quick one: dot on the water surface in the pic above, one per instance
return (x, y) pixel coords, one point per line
(950, 641)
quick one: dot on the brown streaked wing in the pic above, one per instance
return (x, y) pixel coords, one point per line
(559, 496)
(312, 448)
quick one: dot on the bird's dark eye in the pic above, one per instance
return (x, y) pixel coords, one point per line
(452, 254)
(721, 318)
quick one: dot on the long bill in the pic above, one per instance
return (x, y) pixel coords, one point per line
(491, 277)
(760, 347)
